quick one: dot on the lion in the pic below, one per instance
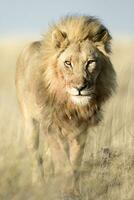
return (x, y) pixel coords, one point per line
(62, 83)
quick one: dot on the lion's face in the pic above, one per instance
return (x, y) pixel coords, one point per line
(80, 67)
(78, 71)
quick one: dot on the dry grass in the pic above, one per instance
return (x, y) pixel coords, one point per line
(108, 164)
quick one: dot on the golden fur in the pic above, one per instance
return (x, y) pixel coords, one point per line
(74, 53)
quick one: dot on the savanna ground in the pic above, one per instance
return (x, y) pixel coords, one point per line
(108, 163)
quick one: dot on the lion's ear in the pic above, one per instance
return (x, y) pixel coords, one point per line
(102, 39)
(58, 38)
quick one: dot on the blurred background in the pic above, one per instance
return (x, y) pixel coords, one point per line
(24, 21)
(23, 18)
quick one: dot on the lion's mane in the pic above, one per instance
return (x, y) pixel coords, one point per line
(74, 29)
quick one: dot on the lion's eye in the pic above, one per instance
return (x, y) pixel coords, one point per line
(91, 65)
(91, 62)
(67, 64)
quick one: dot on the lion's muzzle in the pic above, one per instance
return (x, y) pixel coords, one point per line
(80, 94)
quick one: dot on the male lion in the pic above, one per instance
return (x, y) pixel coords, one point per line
(62, 82)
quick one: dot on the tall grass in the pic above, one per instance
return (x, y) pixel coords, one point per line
(108, 163)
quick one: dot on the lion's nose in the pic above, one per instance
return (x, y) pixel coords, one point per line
(80, 88)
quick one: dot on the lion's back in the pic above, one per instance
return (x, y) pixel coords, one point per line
(27, 75)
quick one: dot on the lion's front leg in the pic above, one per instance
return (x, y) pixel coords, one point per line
(66, 156)
(76, 146)
(32, 142)
(63, 174)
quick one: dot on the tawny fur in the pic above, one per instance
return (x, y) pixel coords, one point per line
(42, 88)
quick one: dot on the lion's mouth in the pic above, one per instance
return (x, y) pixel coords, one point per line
(80, 99)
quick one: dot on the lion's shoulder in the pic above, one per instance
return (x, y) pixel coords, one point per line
(28, 57)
